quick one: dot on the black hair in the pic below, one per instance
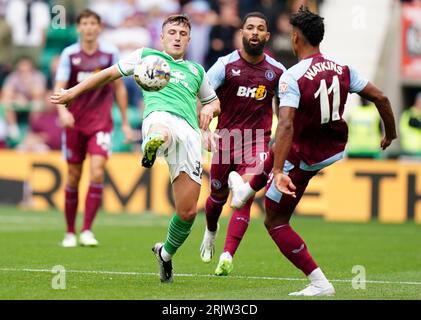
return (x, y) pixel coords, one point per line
(257, 15)
(310, 24)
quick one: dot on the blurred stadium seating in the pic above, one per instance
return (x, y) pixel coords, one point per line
(363, 34)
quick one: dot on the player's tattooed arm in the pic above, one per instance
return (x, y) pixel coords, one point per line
(97, 80)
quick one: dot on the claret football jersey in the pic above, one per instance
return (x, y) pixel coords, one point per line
(246, 91)
(318, 87)
(91, 110)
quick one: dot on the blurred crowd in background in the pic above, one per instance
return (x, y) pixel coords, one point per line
(32, 38)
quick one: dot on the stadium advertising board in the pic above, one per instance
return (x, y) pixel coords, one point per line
(351, 190)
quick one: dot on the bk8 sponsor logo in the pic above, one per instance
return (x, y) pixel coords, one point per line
(258, 93)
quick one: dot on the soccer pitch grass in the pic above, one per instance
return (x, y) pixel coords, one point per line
(123, 266)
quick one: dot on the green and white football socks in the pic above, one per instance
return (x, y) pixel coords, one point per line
(178, 231)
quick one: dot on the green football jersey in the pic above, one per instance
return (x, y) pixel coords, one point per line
(179, 96)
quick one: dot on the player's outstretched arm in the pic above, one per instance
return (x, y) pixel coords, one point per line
(283, 142)
(97, 80)
(375, 95)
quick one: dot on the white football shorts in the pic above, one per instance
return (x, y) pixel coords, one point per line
(183, 154)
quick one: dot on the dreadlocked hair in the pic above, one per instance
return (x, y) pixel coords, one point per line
(310, 24)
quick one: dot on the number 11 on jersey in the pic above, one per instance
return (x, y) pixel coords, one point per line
(324, 93)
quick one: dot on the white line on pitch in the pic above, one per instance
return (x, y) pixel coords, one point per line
(124, 273)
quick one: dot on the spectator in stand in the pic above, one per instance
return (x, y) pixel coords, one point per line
(313, 5)
(164, 6)
(52, 71)
(29, 21)
(271, 9)
(23, 90)
(410, 129)
(114, 12)
(5, 66)
(156, 11)
(73, 7)
(3, 130)
(222, 34)
(45, 131)
(364, 131)
(202, 18)
(5, 44)
(246, 6)
(128, 37)
(280, 41)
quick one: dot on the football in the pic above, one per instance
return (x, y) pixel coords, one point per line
(152, 74)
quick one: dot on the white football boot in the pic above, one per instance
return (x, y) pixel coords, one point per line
(87, 239)
(241, 191)
(69, 240)
(313, 290)
(207, 248)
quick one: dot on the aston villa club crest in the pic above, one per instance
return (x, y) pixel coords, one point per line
(270, 75)
(76, 61)
(216, 184)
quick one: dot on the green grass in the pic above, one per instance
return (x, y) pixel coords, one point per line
(123, 266)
